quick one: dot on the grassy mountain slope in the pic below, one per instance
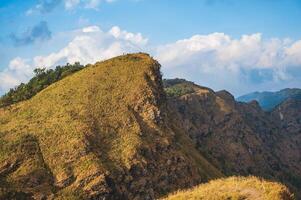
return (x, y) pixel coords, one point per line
(235, 188)
(269, 100)
(103, 132)
(110, 131)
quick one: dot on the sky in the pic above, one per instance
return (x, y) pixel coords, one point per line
(237, 45)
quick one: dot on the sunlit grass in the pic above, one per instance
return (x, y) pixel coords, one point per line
(88, 108)
(236, 188)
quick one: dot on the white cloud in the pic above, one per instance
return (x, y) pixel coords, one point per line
(89, 45)
(216, 60)
(219, 61)
(137, 39)
(18, 71)
(294, 53)
(91, 29)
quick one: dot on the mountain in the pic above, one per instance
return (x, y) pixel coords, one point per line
(269, 100)
(240, 138)
(104, 132)
(115, 130)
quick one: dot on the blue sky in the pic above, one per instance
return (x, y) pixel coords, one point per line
(237, 45)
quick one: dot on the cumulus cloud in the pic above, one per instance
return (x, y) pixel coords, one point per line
(91, 29)
(18, 71)
(137, 39)
(39, 32)
(294, 53)
(217, 60)
(221, 61)
(90, 44)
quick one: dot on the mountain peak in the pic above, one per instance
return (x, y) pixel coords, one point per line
(98, 133)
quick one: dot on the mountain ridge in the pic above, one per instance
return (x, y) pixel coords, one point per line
(241, 138)
(111, 130)
(269, 100)
(107, 138)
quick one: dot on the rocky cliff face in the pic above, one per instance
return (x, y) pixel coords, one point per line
(288, 117)
(240, 138)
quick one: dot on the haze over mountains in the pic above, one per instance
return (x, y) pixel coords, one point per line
(269, 100)
(116, 130)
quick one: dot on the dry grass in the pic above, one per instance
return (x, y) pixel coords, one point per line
(84, 126)
(236, 188)
(83, 108)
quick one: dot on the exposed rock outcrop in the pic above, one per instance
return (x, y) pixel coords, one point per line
(240, 138)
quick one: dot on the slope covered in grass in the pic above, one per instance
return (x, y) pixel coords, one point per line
(109, 131)
(235, 188)
(103, 132)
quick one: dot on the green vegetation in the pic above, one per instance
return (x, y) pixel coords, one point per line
(42, 79)
(236, 188)
(178, 87)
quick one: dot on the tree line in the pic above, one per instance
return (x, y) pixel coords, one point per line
(42, 79)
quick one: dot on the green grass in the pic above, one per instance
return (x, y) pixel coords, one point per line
(178, 87)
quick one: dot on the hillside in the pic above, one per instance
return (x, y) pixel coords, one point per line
(115, 130)
(103, 132)
(269, 100)
(240, 138)
(235, 188)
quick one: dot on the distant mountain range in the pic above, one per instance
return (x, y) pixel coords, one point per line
(269, 100)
